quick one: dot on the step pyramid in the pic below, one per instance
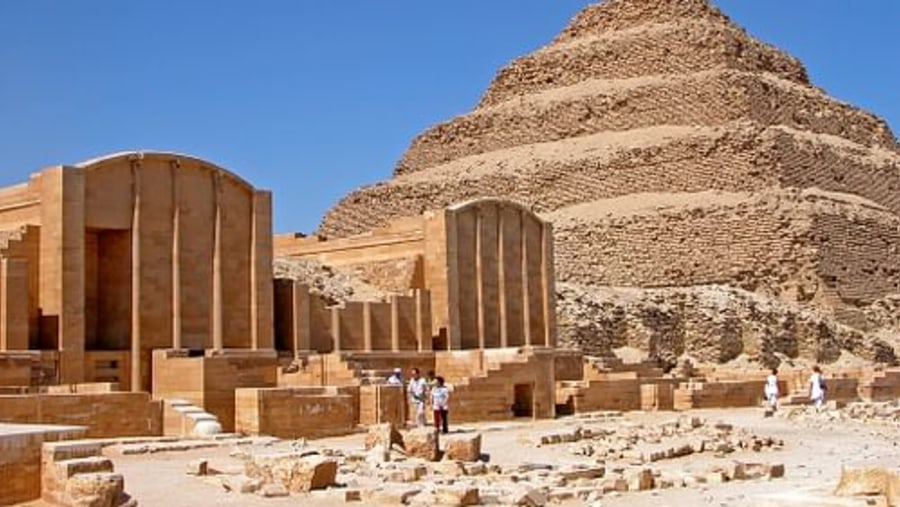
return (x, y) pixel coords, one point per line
(670, 148)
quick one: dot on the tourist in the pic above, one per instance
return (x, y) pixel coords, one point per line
(396, 378)
(817, 387)
(771, 389)
(418, 392)
(440, 402)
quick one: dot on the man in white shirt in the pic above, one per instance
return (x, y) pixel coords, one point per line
(418, 394)
(817, 388)
(771, 389)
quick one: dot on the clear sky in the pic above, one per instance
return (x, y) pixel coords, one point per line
(314, 98)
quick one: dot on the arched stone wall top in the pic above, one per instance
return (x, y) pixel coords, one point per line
(495, 201)
(123, 156)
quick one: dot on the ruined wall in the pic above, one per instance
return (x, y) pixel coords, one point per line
(20, 459)
(105, 415)
(797, 246)
(708, 323)
(297, 412)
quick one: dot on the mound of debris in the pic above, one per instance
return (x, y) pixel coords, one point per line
(332, 284)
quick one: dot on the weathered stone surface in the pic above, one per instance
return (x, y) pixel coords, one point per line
(870, 481)
(422, 443)
(385, 435)
(95, 489)
(198, 467)
(463, 447)
(639, 479)
(297, 473)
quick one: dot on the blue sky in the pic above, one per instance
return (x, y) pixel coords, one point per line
(314, 98)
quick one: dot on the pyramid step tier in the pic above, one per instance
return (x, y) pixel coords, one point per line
(701, 99)
(740, 156)
(824, 249)
(681, 47)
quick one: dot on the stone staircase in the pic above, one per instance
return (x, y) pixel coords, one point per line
(491, 395)
(75, 473)
(182, 418)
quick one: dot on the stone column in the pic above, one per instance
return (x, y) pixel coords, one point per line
(526, 283)
(548, 285)
(423, 320)
(395, 323)
(336, 329)
(13, 304)
(136, 363)
(367, 326)
(218, 341)
(479, 278)
(176, 255)
(301, 318)
(501, 280)
(62, 256)
(261, 306)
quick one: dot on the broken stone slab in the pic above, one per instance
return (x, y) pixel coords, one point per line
(385, 434)
(101, 489)
(463, 447)
(197, 467)
(639, 479)
(390, 495)
(457, 496)
(273, 491)
(241, 484)
(870, 481)
(297, 473)
(422, 443)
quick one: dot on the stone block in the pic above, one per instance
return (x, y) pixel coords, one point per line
(639, 479)
(458, 496)
(197, 467)
(95, 489)
(383, 434)
(422, 443)
(463, 448)
(297, 473)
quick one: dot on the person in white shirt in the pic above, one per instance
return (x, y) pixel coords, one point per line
(440, 403)
(418, 392)
(771, 389)
(817, 388)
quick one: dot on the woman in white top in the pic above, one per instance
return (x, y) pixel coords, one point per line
(771, 389)
(440, 403)
(817, 387)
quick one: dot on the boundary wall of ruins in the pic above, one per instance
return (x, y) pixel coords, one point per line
(103, 414)
(20, 458)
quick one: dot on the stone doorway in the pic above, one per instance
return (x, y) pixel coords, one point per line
(523, 404)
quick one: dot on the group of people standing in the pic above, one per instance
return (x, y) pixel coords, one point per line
(817, 388)
(424, 391)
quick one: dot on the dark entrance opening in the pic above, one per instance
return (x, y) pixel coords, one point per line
(523, 406)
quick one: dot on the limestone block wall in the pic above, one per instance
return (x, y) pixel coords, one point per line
(382, 404)
(679, 47)
(709, 323)
(597, 106)
(112, 414)
(210, 381)
(295, 412)
(303, 322)
(771, 243)
(20, 458)
(739, 156)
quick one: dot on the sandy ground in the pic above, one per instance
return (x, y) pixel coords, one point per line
(813, 454)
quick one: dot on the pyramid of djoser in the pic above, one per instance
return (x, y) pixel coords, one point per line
(707, 199)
